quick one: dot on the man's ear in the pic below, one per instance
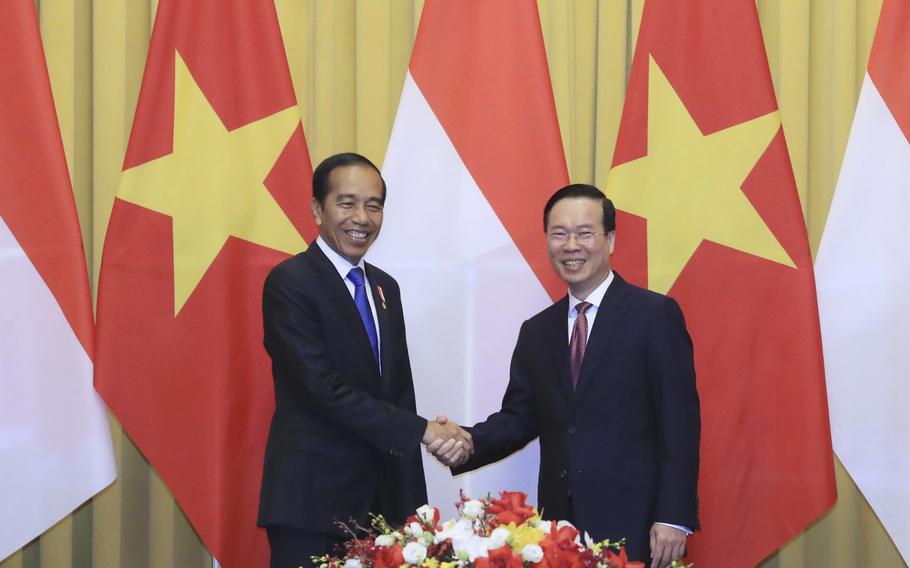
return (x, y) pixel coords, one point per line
(612, 238)
(316, 206)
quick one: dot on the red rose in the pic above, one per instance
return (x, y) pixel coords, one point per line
(501, 557)
(389, 556)
(510, 508)
(560, 549)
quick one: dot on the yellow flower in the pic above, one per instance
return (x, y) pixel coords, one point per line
(448, 565)
(524, 534)
(430, 563)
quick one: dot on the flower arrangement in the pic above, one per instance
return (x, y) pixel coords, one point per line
(506, 532)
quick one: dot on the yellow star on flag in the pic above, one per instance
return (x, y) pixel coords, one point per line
(688, 185)
(212, 184)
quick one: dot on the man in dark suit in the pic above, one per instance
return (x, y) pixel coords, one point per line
(344, 439)
(605, 378)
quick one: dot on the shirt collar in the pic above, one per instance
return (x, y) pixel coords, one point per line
(595, 297)
(341, 264)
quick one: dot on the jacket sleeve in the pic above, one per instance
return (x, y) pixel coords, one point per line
(671, 371)
(295, 339)
(514, 425)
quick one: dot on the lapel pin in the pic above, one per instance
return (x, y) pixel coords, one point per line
(381, 296)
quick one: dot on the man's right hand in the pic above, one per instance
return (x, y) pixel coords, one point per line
(448, 442)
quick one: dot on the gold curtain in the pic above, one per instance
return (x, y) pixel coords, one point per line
(348, 60)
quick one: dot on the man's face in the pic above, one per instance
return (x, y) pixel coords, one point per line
(583, 263)
(351, 215)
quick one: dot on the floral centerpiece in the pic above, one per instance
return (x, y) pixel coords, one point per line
(506, 532)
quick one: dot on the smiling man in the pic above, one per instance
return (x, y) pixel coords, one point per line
(605, 378)
(345, 439)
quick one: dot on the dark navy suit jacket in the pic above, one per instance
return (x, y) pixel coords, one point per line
(344, 440)
(620, 451)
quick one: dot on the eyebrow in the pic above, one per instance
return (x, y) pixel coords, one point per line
(563, 227)
(343, 196)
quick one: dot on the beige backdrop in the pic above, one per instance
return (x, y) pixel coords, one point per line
(348, 61)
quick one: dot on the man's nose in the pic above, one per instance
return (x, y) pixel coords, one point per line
(572, 242)
(360, 215)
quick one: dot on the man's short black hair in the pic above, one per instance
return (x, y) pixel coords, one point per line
(321, 186)
(582, 190)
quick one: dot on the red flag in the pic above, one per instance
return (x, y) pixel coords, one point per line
(709, 213)
(51, 419)
(214, 192)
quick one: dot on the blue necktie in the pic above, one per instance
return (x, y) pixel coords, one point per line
(360, 298)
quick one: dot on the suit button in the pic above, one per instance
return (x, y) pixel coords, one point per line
(571, 429)
(563, 474)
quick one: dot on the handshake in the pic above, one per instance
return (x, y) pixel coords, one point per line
(448, 441)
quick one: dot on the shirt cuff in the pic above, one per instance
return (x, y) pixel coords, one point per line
(686, 530)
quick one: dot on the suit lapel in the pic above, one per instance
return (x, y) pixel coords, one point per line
(340, 296)
(556, 328)
(609, 317)
(386, 341)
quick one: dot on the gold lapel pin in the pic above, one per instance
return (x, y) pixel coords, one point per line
(381, 296)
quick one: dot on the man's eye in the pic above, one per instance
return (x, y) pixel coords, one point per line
(345, 204)
(374, 207)
(585, 235)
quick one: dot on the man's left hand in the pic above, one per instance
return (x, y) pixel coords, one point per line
(667, 544)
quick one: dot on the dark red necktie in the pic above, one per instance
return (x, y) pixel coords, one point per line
(579, 341)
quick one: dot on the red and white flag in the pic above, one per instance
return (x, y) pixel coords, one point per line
(475, 152)
(215, 191)
(863, 271)
(55, 440)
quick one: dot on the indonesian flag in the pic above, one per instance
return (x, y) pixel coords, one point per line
(55, 440)
(863, 271)
(214, 192)
(475, 152)
(709, 213)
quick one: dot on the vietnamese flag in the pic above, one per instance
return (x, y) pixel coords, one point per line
(709, 213)
(863, 268)
(214, 192)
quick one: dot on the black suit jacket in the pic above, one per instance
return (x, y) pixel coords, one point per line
(620, 451)
(344, 440)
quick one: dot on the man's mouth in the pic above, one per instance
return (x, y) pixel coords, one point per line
(572, 262)
(356, 235)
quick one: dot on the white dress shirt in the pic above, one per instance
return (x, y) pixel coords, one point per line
(343, 266)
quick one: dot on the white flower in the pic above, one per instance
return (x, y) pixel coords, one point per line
(458, 531)
(426, 514)
(499, 537)
(414, 553)
(415, 529)
(472, 509)
(532, 553)
(545, 526)
(384, 540)
(353, 563)
(474, 546)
